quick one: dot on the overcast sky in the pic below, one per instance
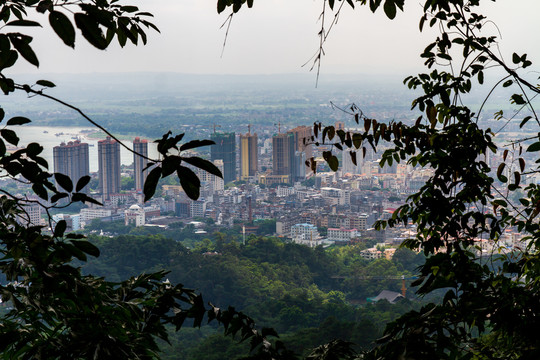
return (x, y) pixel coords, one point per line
(277, 36)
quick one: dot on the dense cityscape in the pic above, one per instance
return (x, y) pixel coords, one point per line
(267, 175)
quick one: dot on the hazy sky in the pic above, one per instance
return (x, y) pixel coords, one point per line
(277, 36)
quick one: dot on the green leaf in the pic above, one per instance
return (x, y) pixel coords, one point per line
(83, 181)
(129, 8)
(44, 5)
(333, 162)
(516, 58)
(86, 247)
(534, 147)
(60, 228)
(221, 5)
(45, 83)
(524, 121)
(390, 9)
(10, 136)
(480, 77)
(518, 99)
(23, 23)
(63, 27)
(84, 198)
(499, 172)
(151, 183)
(195, 144)
(357, 140)
(64, 181)
(33, 149)
(8, 58)
(18, 120)
(204, 164)
(74, 251)
(40, 191)
(58, 196)
(22, 44)
(189, 181)
(91, 30)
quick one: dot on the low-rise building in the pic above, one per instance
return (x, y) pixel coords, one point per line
(134, 215)
(371, 254)
(341, 234)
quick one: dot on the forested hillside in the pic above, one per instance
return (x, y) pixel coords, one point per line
(310, 296)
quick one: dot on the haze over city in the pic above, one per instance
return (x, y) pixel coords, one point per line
(275, 36)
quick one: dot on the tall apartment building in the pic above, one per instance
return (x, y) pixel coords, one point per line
(249, 155)
(283, 154)
(139, 162)
(109, 167)
(71, 159)
(303, 140)
(225, 149)
(290, 151)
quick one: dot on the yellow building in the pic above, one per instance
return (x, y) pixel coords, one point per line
(249, 156)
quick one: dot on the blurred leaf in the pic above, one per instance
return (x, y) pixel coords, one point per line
(91, 30)
(64, 181)
(60, 229)
(190, 182)
(195, 144)
(23, 23)
(10, 136)
(18, 120)
(83, 181)
(86, 247)
(22, 44)
(204, 165)
(151, 183)
(534, 147)
(63, 27)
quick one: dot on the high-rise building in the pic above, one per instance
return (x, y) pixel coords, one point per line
(302, 144)
(109, 167)
(225, 149)
(140, 162)
(283, 154)
(71, 159)
(249, 155)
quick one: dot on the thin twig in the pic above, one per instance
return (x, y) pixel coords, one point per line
(228, 21)
(28, 89)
